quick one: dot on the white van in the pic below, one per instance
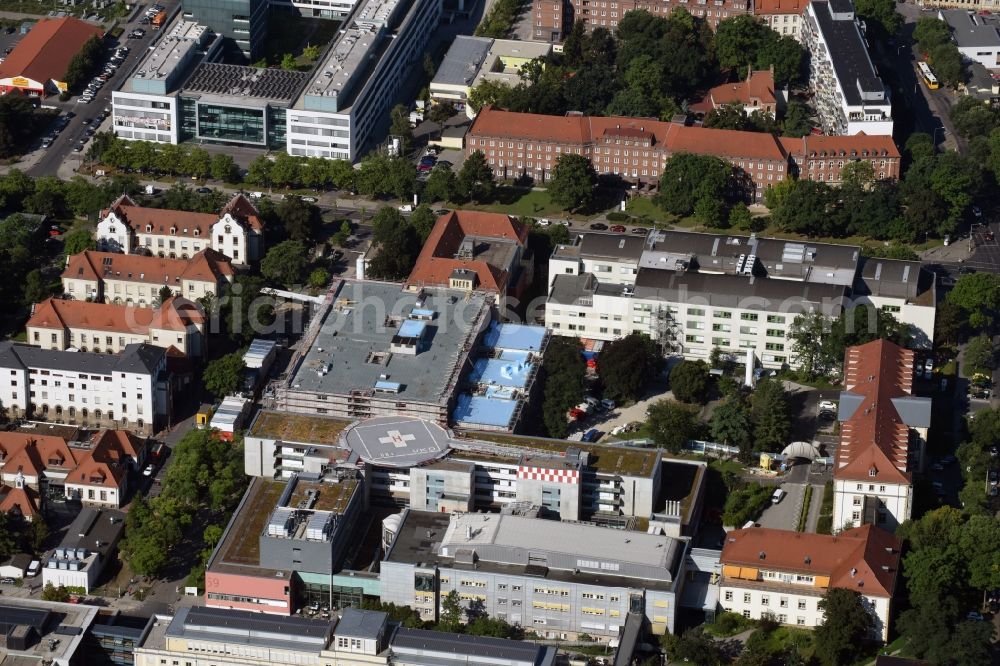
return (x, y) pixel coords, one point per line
(778, 495)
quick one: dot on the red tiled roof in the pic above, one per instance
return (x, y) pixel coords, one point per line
(779, 6)
(724, 143)
(759, 85)
(207, 266)
(864, 559)
(875, 436)
(437, 259)
(185, 223)
(853, 147)
(32, 454)
(46, 51)
(581, 130)
(59, 314)
(24, 500)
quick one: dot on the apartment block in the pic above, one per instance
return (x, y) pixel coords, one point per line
(606, 14)
(135, 279)
(849, 95)
(883, 434)
(697, 292)
(236, 232)
(557, 579)
(85, 325)
(551, 20)
(129, 390)
(823, 158)
(785, 574)
(783, 16)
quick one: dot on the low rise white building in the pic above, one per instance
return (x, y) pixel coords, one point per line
(129, 390)
(786, 574)
(850, 97)
(90, 544)
(696, 292)
(976, 34)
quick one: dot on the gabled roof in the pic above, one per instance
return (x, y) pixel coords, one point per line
(724, 143)
(779, 6)
(437, 260)
(759, 85)
(46, 51)
(854, 146)
(864, 559)
(56, 313)
(31, 454)
(22, 500)
(135, 358)
(184, 223)
(206, 266)
(877, 411)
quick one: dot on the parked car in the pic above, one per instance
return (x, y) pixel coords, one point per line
(929, 368)
(599, 226)
(618, 228)
(544, 222)
(949, 459)
(204, 190)
(938, 488)
(975, 616)
(639, 230)
(565, 223)
(778, 495)
(149, 470)
(34, 568)
(441, 211)
(827, 405)
(937, 466)
(591, 435)
(310, 199)
(977, 211)
(7, 581)
(406, 208)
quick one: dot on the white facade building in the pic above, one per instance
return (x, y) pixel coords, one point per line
(347, 102)
(785, 574)
(696, 292)
(90, 543)
(128, 389)
(883, 435)
(976, 35)
(850, 96)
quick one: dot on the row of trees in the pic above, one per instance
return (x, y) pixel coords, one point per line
(647, 68)
(163, 159)
(204, 475)
(563, 371)
(83, 64)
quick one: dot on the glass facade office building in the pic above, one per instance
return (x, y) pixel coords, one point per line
(243, 21)
(211, 122)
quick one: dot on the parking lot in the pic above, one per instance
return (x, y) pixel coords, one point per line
(9, 38)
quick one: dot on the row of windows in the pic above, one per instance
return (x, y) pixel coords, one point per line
(765, 600)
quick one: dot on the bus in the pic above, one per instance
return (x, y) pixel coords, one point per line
(929, 79)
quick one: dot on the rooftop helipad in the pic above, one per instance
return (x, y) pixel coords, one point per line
(397, 441)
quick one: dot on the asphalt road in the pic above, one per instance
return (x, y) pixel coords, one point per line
(785, 514)
(61, 149)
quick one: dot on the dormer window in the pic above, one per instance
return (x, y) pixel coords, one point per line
(197, 232)
(872, 472)
(173, 231)
(149, 228)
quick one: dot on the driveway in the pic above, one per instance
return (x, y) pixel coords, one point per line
(785, 514)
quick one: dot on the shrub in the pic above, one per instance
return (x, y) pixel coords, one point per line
(824, 525)
(618, 216)
(746, 503)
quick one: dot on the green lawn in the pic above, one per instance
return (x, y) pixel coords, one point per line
(531, 203)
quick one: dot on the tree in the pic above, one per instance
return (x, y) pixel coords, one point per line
(930, 32)
(451, 614)
(223, 168)
(17, 123)
(737, 40)
(740, 217)
(311, 52)
(689, 381)
(730, 423)
(688, 178)
(284, 170)
(343, 234)
(796, 122)
(289, 63)
(285, 263)
(696, 646)
(948, 322)
(77, 241)
(36, 289)
(880, 15)
(628, 364)
(224, 375)
(440, 184)
(846, 625)
(672, 424)
(979, 355)
(246, 311)
(978, 295)
(948, 65)
(422, 220)
(7, 542)
(82, 64)
(805, 208)
(475, 179)
(259, 171)
(319, 278)
(572, 183)
(563, 369)
(399, 127)
(53, 593)
(163, 294)
(769, 414)
(300, 220)
(398, 245)
(35, 535)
